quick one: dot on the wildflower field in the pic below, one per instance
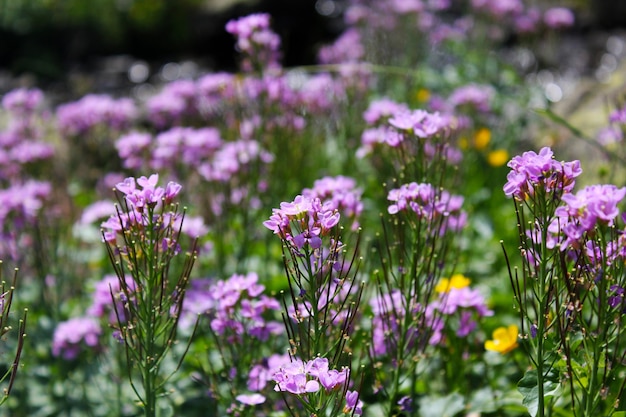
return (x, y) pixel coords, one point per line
(407, 228)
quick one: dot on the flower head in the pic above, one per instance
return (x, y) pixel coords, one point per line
(531, 172)
(504, 339)
(456, 281)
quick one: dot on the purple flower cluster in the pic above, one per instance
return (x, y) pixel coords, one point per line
(395, 125)
(616, 298)
(232, 158)
(614, 133)
(299, 377)
(257, 42)
(186, 146)
(473, 96)
(270, 101)
(515, 14)
(347, 48)
(458, 309)
(388, 14)
(389, 311)
(303, 222)
(20, 142)
(80, 117)
(174, 104)
(439, 208)
(74, 336)
(237, 307)
(22, 102)
(558, 18)
(109, 298)
(140, 196)
(582, 212)
(338, 193)
(531, 172)
(262, 373)
(21, 203)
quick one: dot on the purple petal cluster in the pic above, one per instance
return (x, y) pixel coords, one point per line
(262, 373)
(347, 48)
(531, 172)
(257, 42)
(582, 212)
(74, 336)
(238, 307)
(174, 104)
(79, 117)
(234, 158)
(459, 309)
(616, 298)
(22, 102)
(354, 406)
(338, 193)
(558, 17)
(299, 377)
(303, 222)
(389, 311)
(20, 203)
(140, 196)
(394, 124)
(440, 208)
(20, 142)
(473, 96)
(108, 292)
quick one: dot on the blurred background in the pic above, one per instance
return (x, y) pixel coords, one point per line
(75, 46)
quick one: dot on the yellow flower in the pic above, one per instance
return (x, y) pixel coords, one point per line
(482, 138)
(498, 157)
(504, 339)
(422, 95)
(457, 281)
(463, 142)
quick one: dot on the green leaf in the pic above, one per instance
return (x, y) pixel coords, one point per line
(529, 389)
(447, 406)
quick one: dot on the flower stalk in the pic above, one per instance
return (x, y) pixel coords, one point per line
(143, 242)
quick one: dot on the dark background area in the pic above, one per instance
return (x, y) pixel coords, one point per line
(48, 41)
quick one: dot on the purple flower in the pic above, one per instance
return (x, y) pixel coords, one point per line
(256, 41)
(558, 17)
(381, 109)
(499, 8)
(478, 97)
(346, 48)
(405, 403)
(262, 373)
(74, 336)
(133, 149)
(300, 377)
(616, 297)
(233, 159)
(108, 292)
(332, 379)
(250, 399)
(303, 221)
(292, 378)
(531, 171)
(582, 212)
(238, 308)
(78, 118)
(176, 101)
(22, 102)
(354, 406)
(430, 204)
